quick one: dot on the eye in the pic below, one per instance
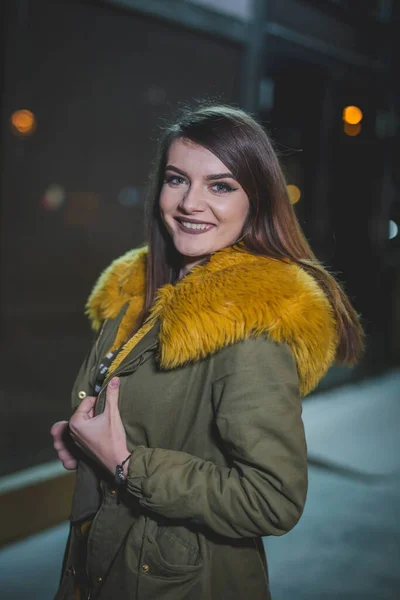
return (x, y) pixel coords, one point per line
(174, 180)
(222, 188)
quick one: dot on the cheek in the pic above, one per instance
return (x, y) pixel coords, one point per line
(169, 199)
(235, 213)
(244, 208)
(162, 202)
(166, 203)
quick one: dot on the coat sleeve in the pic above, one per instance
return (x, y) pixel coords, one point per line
(258, 416)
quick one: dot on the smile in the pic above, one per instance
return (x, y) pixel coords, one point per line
(194, 227)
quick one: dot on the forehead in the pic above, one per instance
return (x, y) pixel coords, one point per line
(192, 158)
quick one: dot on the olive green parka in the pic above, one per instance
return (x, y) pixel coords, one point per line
(210, 398)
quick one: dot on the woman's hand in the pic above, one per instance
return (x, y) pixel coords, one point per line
(62, 444)
(102, 436)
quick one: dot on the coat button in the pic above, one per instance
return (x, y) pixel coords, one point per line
(145, 568)
(113, 492)
(82, 394)
(99, 579)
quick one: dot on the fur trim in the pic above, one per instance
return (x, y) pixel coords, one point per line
(233, 296)
(123, 281)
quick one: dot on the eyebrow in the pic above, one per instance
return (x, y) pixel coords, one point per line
(212, 177)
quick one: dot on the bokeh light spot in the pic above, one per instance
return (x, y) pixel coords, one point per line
(393, 229)
(129, 196)
(352, 115)
(53, 197)
(23, 122)
(352, 130)
(294, 193)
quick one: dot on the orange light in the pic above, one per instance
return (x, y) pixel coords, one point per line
(352, 130)
(294, 193)
(352, 115)
(23, 122)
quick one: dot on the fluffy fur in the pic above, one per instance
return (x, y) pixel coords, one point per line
(233, 296)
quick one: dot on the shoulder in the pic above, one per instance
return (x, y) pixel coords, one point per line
(257, 355)
(124, 278)
(242, 296)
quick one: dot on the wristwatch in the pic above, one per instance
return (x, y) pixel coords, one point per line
(120, 478)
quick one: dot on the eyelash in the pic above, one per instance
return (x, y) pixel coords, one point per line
(226, 188)
(170, 179)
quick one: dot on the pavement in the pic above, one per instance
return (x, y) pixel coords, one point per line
(347, 543)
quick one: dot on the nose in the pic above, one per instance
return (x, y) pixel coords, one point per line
(193, 200)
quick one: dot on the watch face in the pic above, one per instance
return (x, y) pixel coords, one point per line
(119, 475)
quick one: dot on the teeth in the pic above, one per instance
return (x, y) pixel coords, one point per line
(195, 225)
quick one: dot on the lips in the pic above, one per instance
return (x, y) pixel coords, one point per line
(191, 230)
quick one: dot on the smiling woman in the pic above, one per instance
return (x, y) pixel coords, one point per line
(187, 433)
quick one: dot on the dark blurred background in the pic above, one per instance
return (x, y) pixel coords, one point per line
(86, 87)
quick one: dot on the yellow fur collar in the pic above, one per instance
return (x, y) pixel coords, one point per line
(232, 297)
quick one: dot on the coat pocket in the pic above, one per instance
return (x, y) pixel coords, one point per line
(174, 548)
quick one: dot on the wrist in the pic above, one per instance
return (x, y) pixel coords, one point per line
(125, 466)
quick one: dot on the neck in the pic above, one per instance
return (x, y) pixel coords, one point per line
(189, 262)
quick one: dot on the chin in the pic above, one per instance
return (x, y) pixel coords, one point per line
(191, 252)
(191, 247)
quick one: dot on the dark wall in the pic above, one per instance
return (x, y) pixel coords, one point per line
(101, 83)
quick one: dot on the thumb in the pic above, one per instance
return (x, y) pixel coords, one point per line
(86, 406)
(112, 394)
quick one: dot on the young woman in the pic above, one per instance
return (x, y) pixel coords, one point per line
(187, 433)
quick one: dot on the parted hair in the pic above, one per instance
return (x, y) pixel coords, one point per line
(271, 228)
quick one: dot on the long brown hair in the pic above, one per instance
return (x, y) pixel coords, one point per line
(271, 229)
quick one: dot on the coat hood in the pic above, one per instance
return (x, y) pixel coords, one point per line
(233, 296)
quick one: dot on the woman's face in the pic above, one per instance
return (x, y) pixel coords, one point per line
(202, 205)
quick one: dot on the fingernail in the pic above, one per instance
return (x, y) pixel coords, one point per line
(114, 382)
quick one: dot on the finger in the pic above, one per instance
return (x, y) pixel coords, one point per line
(63, 441)
(85, 407)
(70, 464)
(68, 461)
(112, 393)
(61, 438)
(58, 429)
(59, 445)
(58, 432)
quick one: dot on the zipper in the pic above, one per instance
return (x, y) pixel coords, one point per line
(123, 367)
(94, 367)
(120, 371)
(141, 359)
